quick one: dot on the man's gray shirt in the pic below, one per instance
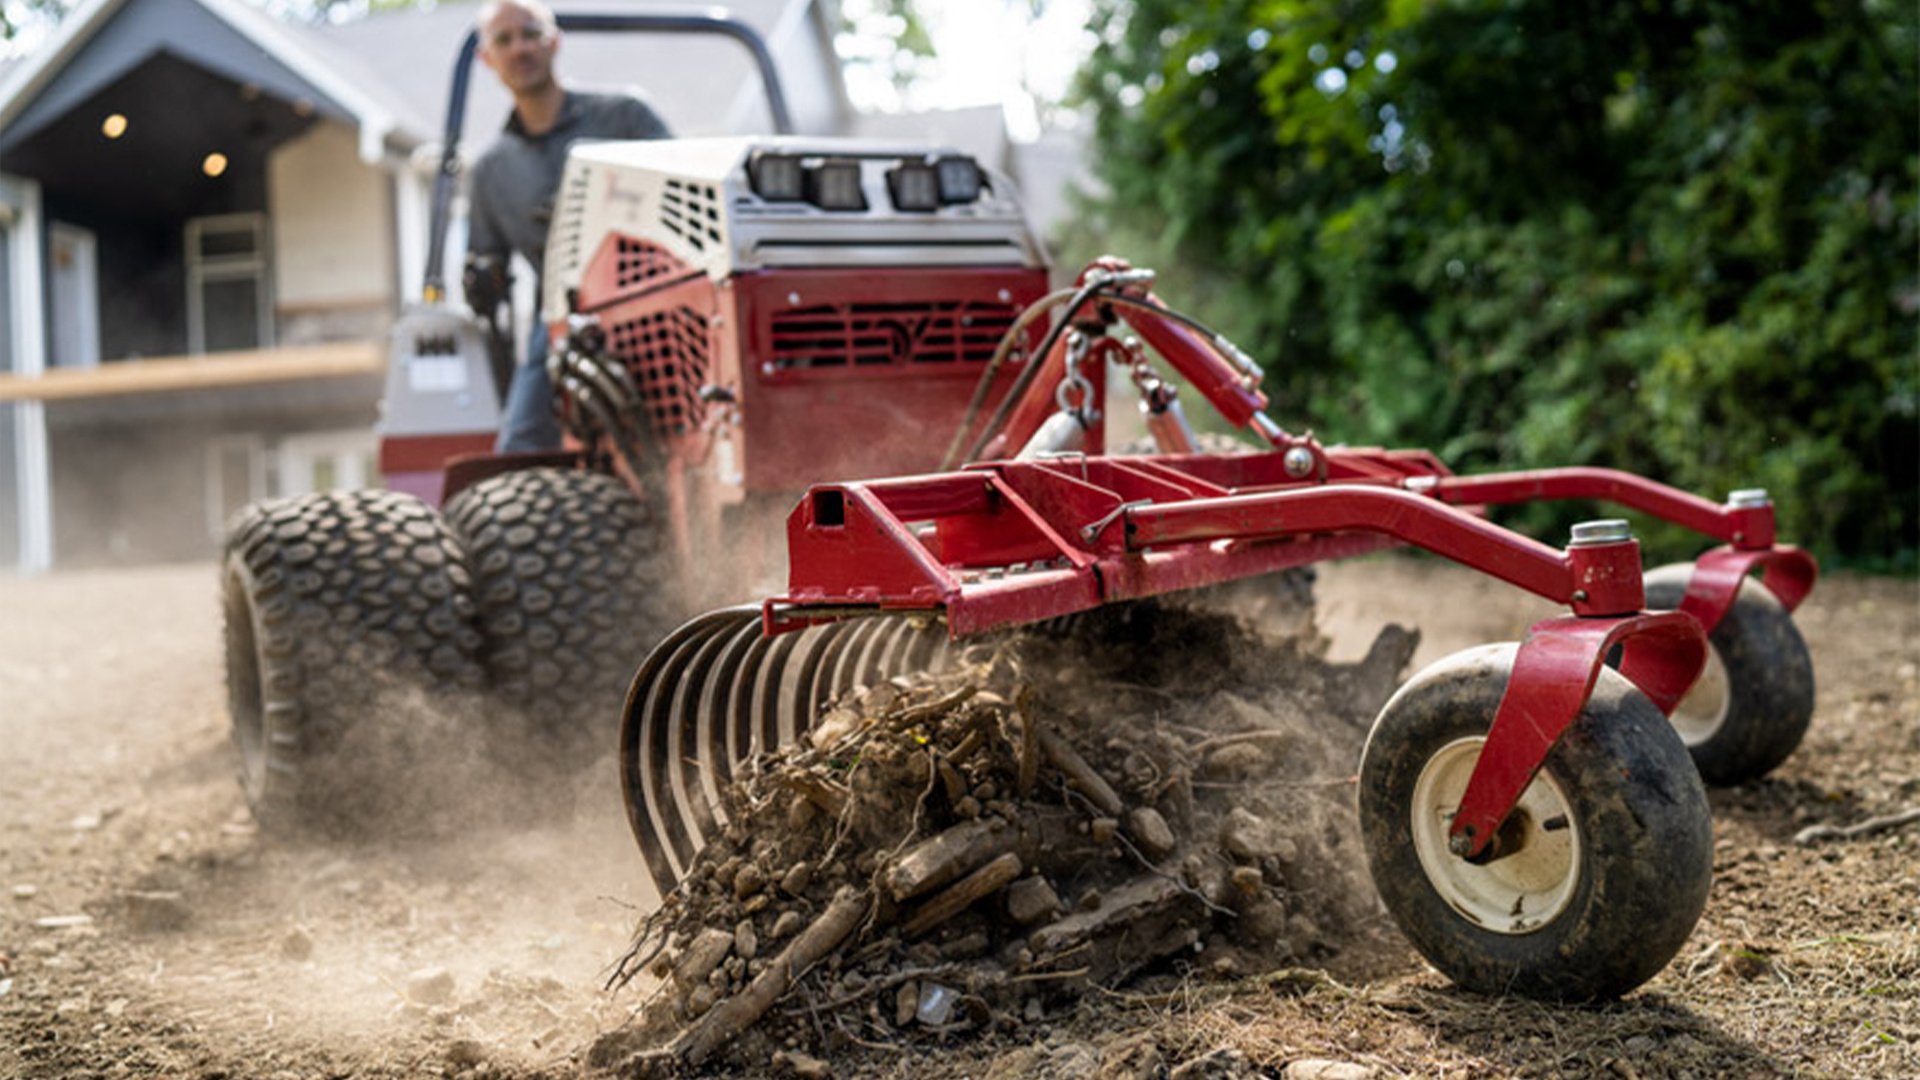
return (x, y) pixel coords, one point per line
(513, 184)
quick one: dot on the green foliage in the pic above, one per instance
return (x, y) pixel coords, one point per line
(1674, 236)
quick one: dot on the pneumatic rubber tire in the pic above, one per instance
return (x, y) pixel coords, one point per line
(573, 580)
(1615, 851)
(349, 640)
(1754, 702)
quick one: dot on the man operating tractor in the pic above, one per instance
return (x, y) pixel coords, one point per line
(513, 184)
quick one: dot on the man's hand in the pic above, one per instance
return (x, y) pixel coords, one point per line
(487, 283)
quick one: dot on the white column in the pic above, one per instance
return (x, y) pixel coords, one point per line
(27, 305)
(411, 203)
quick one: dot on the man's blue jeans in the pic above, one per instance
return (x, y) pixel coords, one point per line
(528, 423)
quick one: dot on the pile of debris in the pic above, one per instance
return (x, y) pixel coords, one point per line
(1151, 788)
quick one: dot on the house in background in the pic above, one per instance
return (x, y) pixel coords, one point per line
(209, 220)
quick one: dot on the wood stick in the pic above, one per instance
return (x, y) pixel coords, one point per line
(940, 706)
(1080, 775)
(735, 1015)
(945, 856)
(983, 882)
(1029, 748)
(1814, 833)
(828, 796)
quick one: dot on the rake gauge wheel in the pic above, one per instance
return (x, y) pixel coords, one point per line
(347, 614)
(573, 579)
(1753, 702)
(1610, 847)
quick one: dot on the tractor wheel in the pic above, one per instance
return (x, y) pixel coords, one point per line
(1754, 701)
(1611, 844)
(572, 575)
(348, 638)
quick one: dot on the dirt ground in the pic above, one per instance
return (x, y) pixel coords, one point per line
(147, 930)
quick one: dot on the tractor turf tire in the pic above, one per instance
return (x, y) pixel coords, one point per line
(1616, 886)
(572, 576)
(1747, 717)
(349, 647)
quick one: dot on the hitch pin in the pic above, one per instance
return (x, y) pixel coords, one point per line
(1092, 532)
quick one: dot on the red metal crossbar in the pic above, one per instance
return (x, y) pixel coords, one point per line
(1008, 543)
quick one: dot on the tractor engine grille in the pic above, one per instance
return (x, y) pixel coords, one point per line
(666, 352)
(868, 335)
(639, 262)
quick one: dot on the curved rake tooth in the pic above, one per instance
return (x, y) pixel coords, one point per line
(715, 692)
(714, 759)
(649, 734)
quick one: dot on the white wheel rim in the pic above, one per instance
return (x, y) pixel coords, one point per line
(1519, 892)
(1701, 714)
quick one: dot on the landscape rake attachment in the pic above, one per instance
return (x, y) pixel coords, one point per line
(1532, 819)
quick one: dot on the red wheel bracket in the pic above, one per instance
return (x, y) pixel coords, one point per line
(1787, 571)
(1553, 676)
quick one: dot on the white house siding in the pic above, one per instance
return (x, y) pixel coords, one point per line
(333, 252)
(9, 452)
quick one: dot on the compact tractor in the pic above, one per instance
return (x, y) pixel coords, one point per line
(743, 319)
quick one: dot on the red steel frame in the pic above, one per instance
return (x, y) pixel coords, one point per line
(1011, 542)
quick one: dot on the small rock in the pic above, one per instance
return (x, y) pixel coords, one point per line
(1641, 1045)
(966, 946)
(967, 808)
(786, 925)
(935, 1006)
(465, 1053)
(804, 1066)
(1237, 759)
(1218, 1065)
(906, 1003)
(702, 956)
(86, 823)
(1322, 1069)
(749, 880)
(1263, 920)
(153, 911)
(1102, 829)
(1247, 880)
(1091, 900)
(1151, 832)
(746, 941)
(1249, 837)
(1031, 899)
(297, 944)
(25, 892)
(797, 878)
(702, 998)
(430, 986)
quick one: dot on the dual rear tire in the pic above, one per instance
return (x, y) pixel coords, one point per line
(344, 612)
(377, 651)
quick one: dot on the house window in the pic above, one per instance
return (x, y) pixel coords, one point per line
(229, 294)
(328, 461)
(237, 474)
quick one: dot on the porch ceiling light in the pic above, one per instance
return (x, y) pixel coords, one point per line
(214, 164)
(114, 126)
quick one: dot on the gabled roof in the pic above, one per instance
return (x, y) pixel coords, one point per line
(271, 53)
(389, 74)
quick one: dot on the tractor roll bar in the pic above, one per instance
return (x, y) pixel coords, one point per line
(716, 21)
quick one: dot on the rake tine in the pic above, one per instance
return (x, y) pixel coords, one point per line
(684, 764)
(644, 733)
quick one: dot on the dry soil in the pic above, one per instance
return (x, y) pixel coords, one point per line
(146, 929)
